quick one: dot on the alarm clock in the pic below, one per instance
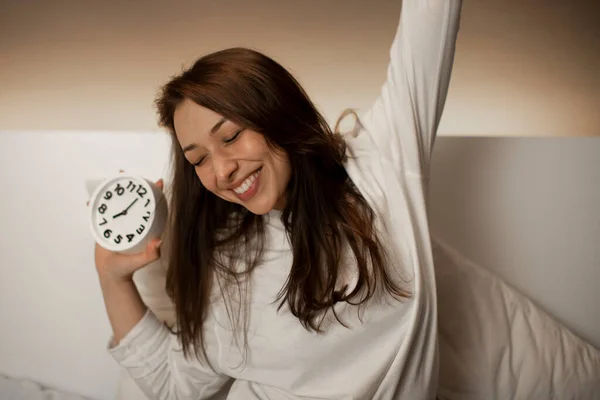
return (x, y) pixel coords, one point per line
(127, 211)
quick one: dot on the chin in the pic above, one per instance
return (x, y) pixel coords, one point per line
(261, 204)
(255, 206)
(259, 209)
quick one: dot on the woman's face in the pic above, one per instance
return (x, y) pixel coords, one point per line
(235, 164)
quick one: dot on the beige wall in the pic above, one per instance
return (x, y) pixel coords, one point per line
(522, 67)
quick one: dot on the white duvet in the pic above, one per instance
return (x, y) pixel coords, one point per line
(496, 344)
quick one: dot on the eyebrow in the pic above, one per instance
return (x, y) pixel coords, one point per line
(213, 130)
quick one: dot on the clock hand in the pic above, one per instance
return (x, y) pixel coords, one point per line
(124, 212)
(119, 214)
(132, 203)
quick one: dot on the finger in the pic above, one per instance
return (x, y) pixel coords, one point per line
(141, 259)
(160, 183)
(150, 254)
(153, 251)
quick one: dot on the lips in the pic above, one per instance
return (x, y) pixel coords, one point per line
(248, 188)
(244, 186)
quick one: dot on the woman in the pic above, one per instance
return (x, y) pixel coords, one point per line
(300, 262)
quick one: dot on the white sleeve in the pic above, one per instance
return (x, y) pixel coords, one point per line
(154, 360)
(403, 121)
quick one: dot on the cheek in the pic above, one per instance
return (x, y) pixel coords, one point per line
(282, 169)
(254, 147)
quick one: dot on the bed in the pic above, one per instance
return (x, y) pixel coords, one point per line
(13, 388)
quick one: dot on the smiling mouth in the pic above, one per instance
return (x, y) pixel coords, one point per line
(248, 183)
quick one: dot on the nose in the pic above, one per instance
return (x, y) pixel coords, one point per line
(224, 168)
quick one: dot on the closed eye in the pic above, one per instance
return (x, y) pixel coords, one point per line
(233, 138)
(197, 164)
(226, 141)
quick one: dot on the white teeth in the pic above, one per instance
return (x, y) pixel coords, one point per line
(247, 183)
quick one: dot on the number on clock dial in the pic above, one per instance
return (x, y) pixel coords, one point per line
(141, 191)
(119, 190)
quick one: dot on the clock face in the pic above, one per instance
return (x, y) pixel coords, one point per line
(123, 212)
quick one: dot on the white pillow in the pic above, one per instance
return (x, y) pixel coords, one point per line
(496, 344)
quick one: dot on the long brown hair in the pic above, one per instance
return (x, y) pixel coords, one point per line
(256, 92)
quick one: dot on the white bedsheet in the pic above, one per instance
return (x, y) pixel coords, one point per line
(24, 389)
